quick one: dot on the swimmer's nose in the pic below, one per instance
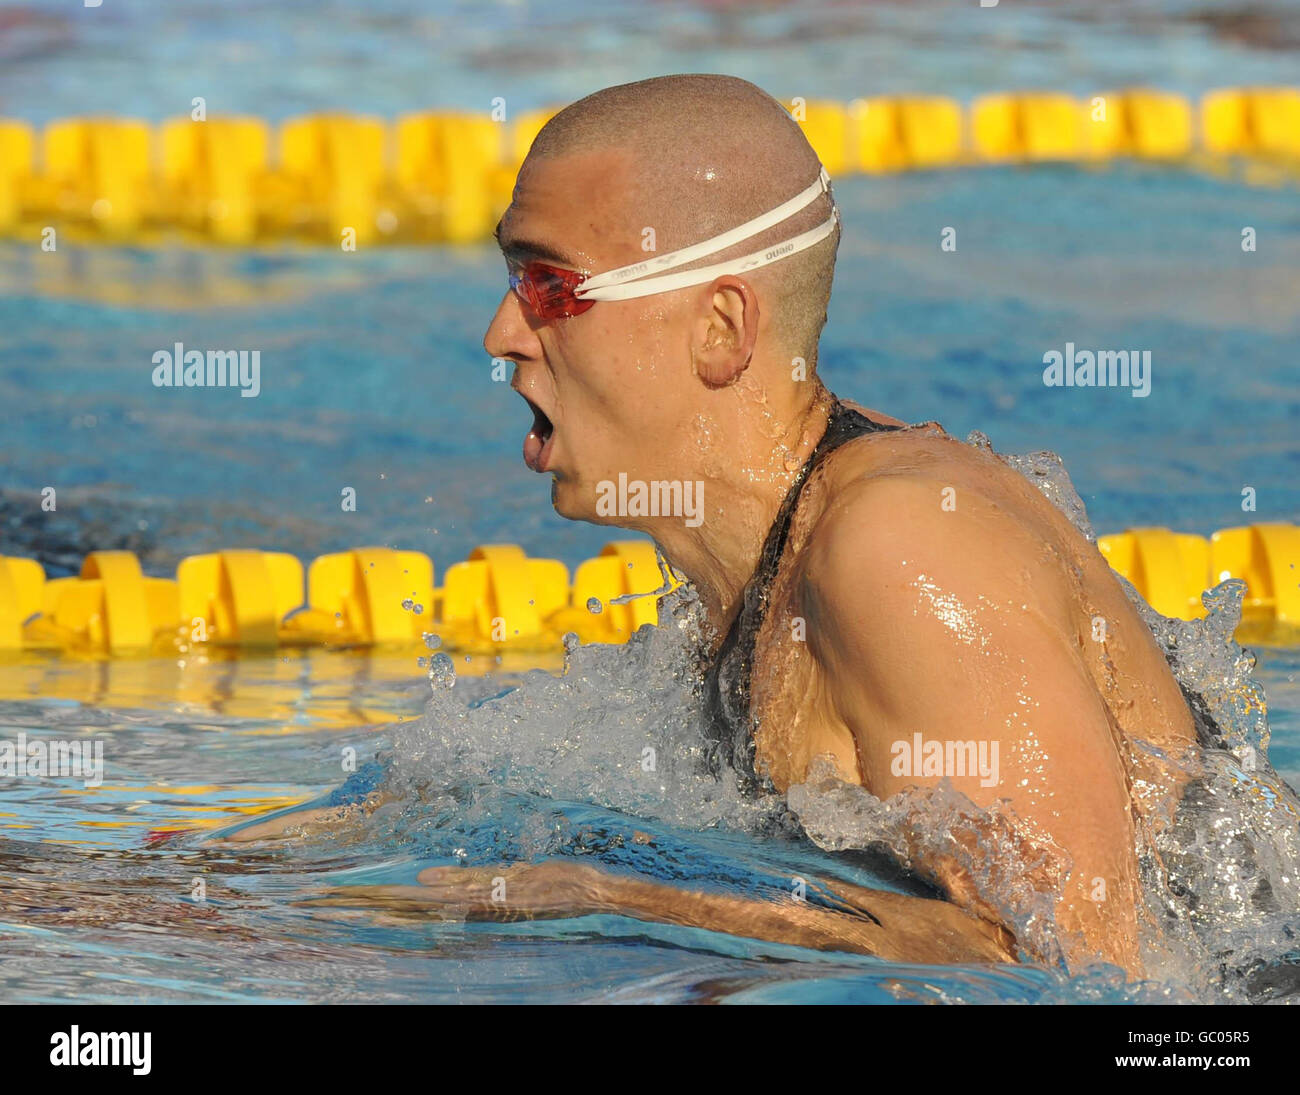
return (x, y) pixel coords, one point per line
(509, 335)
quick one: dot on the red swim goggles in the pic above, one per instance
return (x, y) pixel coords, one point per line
(548, 290)
(553, 292)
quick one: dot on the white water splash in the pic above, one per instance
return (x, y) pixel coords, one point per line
(620, 729)
(623, 729)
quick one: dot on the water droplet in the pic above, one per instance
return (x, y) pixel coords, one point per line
(408, 604)
(431, 640)
(442, 672)
(594, 606)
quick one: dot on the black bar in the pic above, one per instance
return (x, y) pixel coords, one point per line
(259, 1045)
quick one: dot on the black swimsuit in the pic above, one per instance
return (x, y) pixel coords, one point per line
(729, 720)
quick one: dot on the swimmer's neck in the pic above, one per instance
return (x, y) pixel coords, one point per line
(741, 503)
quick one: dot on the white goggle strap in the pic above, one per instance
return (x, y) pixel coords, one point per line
(711, 246)
(668, 282)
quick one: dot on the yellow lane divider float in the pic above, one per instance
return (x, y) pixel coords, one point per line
(498, 600)
(443, 177)
(501, 601)
(1172, 569)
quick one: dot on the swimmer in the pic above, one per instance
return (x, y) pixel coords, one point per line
(873, 586)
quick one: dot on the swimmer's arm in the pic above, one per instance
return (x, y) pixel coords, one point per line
(892, 926)
(300, 822)
(953, 624)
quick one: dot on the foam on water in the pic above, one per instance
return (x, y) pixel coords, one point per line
(1222, 878)
(620, 729)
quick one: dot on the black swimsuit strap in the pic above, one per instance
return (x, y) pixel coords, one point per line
(727, 682)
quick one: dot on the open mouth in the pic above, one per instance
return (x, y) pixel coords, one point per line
(537, 445)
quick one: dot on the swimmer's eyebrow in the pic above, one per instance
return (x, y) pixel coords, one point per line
(525, 249)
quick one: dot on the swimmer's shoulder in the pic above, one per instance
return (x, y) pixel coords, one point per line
(904, 466)
(918, 495)
(919, 483)
(909, 451)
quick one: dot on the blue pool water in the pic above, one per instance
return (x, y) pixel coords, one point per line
(373, 376)
(373, 373)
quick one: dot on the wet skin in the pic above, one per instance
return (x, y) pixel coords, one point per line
(940, 593)
(943, 593)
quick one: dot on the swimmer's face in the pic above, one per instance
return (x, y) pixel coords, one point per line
(612, 389)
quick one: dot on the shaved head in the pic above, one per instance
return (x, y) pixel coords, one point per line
(705, 154)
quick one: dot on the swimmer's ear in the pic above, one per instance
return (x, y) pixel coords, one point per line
(725, 331)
